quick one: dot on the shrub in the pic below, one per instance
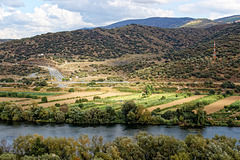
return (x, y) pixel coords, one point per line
(81, 100)
(197, 93)
(57, 104)
(230, 92)
(163, 97)
(80, 105)
(96, 97)
(44, 99)
(37, 89)
(71, 90)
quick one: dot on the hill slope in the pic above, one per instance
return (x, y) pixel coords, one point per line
(154, 22)
(182, 53)
(103, 43)
(167, 22)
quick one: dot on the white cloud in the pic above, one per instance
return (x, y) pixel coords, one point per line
(46, 18)
(101, 12)
(12, 3)
(214, 8)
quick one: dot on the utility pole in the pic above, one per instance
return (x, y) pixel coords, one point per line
(214, 51)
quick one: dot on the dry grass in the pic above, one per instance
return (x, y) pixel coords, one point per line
(177, 102)
(217, 106)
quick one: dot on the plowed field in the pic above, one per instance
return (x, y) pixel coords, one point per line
(177, 102)
(217, 106)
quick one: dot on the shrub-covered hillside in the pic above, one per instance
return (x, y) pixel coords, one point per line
(103, 43)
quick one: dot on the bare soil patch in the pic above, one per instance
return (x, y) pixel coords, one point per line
(8, 99)
(68, 101)
(177, 102)
(73, 96)
(110, 94)
(217, 106)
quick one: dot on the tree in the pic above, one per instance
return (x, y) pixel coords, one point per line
(201, 117)
(59, 116)
(127, 107)
(228, 84)
(212, 91)
(148, 90)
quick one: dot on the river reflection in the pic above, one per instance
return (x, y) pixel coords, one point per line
(10, 131)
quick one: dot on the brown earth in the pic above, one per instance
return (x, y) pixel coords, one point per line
(217, 106)
(73, 95)
(177, 102)
(8, 99)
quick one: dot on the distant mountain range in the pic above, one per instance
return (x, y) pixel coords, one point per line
(166, 22)
(4, 40)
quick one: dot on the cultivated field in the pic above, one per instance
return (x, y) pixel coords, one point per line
(9, 99)
(217, 106)
(177, 102)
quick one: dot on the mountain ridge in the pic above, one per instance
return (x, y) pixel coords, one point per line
(174, 22)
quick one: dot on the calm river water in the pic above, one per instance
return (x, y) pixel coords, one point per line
(10, 131)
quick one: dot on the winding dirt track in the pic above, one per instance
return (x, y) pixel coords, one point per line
(177, 102)
(217, 106)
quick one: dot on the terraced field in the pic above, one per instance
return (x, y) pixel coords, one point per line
(177, 102)
(217, 106)
(9, 99)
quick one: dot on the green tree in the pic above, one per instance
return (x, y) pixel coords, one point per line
(127, 107)
(59, 117)
(212, 91)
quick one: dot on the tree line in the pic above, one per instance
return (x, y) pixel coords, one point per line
(130, 113)
(142, 146)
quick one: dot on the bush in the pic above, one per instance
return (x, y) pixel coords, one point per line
(163, 97)
(71, 90)
(81, 100)
(96, 97)
(230, 92)
(80, 105)
(37, 89)
(44, 100)
(54, 89)
(197, 93)
(57, 104)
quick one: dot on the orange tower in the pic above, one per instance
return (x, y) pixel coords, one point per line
(214, 51)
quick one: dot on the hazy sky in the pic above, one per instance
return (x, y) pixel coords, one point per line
(25, 18)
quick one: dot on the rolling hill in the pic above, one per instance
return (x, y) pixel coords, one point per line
(180, 53)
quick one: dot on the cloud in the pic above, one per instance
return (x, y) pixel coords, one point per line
(101, 12)
(214, 8)
(46, 18)
(12, 3)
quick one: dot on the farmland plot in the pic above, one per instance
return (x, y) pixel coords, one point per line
(217, 106)
(177, 102)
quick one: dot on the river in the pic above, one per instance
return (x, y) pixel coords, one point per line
(10, 131)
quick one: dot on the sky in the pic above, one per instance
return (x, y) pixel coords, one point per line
(27, 18)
